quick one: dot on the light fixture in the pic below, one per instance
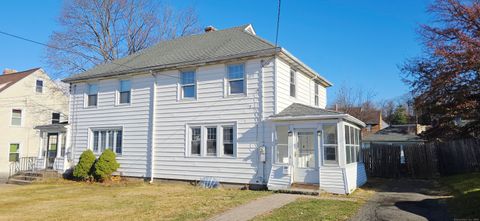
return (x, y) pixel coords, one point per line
(290, 133)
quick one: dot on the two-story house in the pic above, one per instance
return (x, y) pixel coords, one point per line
(225, 104)
(27, 99)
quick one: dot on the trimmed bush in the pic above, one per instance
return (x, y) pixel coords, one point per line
(105, 165)
(83, 170)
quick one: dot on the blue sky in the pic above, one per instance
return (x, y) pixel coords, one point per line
(355, 43)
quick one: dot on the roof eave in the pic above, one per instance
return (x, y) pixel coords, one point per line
(319, 117)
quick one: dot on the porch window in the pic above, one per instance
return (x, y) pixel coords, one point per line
(188, 87)
(211, 140)
(352, 144)
(103, 139)
(330, 144)
(281, 151)
(14, 155)
(293, 82)
(16, 117)
(125, 94)
(316, 95)
(92, 95)
(236, 79)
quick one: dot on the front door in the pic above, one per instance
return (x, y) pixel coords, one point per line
(52, 148)
(305, 169)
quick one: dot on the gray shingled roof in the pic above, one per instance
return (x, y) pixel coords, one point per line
(394, 133)
(297, 109)
(195, 48)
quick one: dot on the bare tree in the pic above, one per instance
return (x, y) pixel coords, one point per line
(97, 31)
(348, 98)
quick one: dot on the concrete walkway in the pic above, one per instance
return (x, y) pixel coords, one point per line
(257, 207)
(406, 199)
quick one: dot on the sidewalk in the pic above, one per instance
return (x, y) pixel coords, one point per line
(257, 207)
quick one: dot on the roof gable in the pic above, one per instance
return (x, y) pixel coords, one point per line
(7, 80)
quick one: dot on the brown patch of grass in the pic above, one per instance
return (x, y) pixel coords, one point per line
(132, 200)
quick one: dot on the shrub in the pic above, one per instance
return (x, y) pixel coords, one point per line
(83, 170)
(105, 165)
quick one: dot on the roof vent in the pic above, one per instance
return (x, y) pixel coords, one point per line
(9, 71)
(210, 29)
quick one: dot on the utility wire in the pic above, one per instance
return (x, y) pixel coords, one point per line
(278, 22)
(69, 51)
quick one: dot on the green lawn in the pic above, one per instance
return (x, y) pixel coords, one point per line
(132, 201)
(466, 190)
(314, 209)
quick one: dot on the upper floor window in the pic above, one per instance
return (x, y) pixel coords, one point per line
(125, 88)
(39, 86)
(92, 95)
(316, 95)
(103, 139)
(55, 118)
(16, 117)
(292, 83)
(236, 79)
(187, 82)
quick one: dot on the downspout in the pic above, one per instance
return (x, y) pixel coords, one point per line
(261, 114)
(152, 126)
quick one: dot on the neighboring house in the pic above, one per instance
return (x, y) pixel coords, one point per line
(224, 104)
(396, 135)
(27, 99)
(372, 118)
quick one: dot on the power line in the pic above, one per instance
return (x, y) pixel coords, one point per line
(278, 22)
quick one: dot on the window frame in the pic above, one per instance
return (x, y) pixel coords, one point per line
(228, 80)
(21, 117)
(88, 94)
(276, 159)
(54, 119)
(204, 137)
(42, 86)
(181, 85)
(293, 83)
(325, 145)
(98, 140)
(120, 91)
(353, 144)
(17, 152)
(316, 98)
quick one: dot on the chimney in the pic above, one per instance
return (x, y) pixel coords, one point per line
(9, 71)
(210, 29)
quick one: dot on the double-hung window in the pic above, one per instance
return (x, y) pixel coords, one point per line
(212, 140)
(236, 78)
(293, 82)
(92, 95)
(187, 84)
(103, 139)
(352, 144)
(39, 86)
(316, 95)
(14, 154)
(125, 92)
(330, 144)
(55, 118)
(16, 117)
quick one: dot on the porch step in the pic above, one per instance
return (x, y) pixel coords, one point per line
(19, 181)
(27, 177)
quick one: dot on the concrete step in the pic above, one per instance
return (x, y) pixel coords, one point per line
(18, 181)
(27, 177)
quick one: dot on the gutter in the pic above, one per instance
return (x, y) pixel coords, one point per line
(318, 117)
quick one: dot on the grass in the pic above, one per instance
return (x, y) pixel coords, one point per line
(332, 207)
(466, 195)
(67, 200)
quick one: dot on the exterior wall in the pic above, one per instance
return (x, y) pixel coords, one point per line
(133, 118)
(305, 88)
(213, 106)
(355, 176)
(37, 109)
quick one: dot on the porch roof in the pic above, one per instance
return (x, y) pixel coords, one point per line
(298, 111)
(50, 127)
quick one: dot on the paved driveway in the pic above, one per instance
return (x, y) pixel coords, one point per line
(406, 199)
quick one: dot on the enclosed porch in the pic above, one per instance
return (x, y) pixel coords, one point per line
(316, 148)
(54, 140)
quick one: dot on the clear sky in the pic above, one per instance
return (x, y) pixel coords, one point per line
(355, 43)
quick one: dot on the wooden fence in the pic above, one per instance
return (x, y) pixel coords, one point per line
(422, 160)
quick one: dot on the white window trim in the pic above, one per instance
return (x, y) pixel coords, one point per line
(117, 93)
(22, 117)
(325, 162)
(352, 145)
(180, 96)
(43, 86)
(294, 82)
(90, 139)
(203, 143)
(316, 96)
(226, 81)
(275, 158)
